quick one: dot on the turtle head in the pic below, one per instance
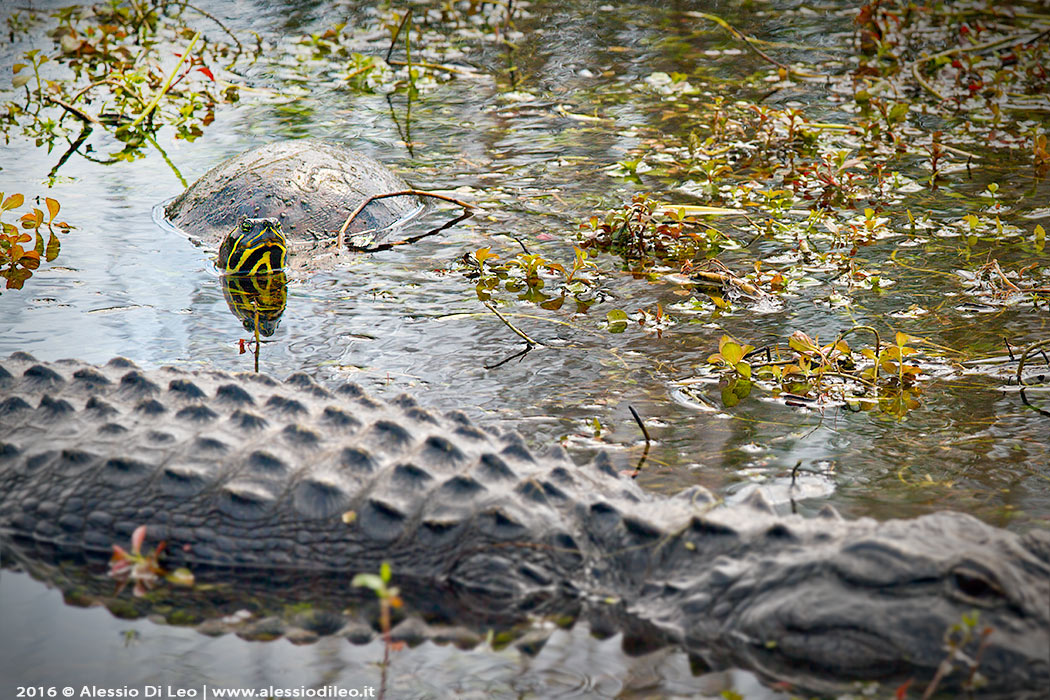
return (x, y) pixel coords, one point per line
(256, 246)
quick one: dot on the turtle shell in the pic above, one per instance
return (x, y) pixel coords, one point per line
(310, 186)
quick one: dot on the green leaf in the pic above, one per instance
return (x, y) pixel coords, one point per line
(384, 571)
(617, 319)
(744, 369)
(729, 397)
(368, 581)
(802, 343)
(53, 247)
(732, 352)
(897, 112)
(483, 254)
(180, 577)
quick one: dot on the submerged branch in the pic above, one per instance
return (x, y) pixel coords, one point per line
(519, 333)
(750, 43)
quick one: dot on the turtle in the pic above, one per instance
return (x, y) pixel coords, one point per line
(283, 204)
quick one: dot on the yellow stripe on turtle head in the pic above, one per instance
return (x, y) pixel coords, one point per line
(257, 246)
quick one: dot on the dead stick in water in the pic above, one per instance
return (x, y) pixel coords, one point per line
(511, 326)
(641, 424)
(402, 193)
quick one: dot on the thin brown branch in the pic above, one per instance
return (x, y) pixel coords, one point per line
(519, 333)
(403, 193)
(76, 112)
(749, 42)
(397, 33)
(641, 424)
(1024, 357)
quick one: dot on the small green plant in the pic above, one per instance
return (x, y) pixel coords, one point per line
(389, 596)
(816, 375)
(389, 599)
(129, 68)
(527, 275)
(736, 381)
(646, 232)
(956, 639)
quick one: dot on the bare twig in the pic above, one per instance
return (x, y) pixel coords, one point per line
(641, 424)
(788, 70)
(76, 112)
(870, 329)
(1024, 358)
(727, 280)
(511, 326)
(412, 239)
(73, 146)
(397, 33)
(402, 193)
(255, 312)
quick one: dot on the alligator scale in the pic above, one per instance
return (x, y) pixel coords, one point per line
(242, 473)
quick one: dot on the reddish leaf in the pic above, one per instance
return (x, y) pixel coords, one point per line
(207, 72)
(137, 538)
(902, 689)
(30, 261)
(32, 219)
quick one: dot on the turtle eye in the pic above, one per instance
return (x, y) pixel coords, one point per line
(246, 225)
(975, 586)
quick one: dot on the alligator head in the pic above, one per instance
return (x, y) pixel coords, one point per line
(933, 597)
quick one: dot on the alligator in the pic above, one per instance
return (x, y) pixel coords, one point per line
(281, 484)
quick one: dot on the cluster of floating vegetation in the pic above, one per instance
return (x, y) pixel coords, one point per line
(126, 68)
(780, 201)
(409, 49)
(809, 374)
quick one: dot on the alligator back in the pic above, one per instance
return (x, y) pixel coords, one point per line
(247, 470)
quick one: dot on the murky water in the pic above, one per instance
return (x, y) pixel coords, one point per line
(398, 321)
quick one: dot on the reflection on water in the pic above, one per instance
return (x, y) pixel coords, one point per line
(60, 646)
(257, 300)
